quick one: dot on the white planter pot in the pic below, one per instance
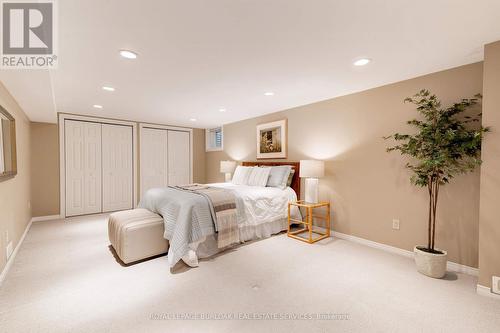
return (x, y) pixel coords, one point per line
(431, 264)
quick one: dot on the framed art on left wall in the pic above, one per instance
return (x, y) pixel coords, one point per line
(8, 159)
(272, 140)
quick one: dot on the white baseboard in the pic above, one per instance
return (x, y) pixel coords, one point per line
(451, 266)
(45, 218)
(373, 244)
(13, 255)
(485, 291)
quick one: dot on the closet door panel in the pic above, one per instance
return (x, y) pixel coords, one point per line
(83, 167)
(93, 172)
(75, 168)
(154, 165)
(117, 168)
(179, 160)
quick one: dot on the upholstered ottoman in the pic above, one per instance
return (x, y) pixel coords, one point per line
(136, 234)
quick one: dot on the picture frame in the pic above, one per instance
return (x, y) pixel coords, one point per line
(8, 149)
(272, 140)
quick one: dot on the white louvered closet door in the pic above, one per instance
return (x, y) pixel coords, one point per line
(154, 166)
(117, 168)
(179, 158)
(83, 167)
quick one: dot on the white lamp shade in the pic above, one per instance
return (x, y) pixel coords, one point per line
(312, 169)
(227, 166)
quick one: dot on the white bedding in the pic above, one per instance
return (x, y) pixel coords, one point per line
(258, 205)
(262, 212)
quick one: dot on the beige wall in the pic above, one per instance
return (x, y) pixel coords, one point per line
(15, 213)
(367, 186)
(199, 155)
(44, 169)
(45, 166)
(489, 221)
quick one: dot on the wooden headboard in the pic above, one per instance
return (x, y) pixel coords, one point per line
(295, 166)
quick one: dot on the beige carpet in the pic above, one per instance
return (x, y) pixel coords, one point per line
(65, 279)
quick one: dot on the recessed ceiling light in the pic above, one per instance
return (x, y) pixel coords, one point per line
(97, 106)
(192, 119)
(108, 88)
(269, 93)
(362, 62)
(128, 54)
(222, 110)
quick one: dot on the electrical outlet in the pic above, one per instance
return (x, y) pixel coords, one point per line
(6, 236)
(29, 204)
(395, 224)
(8, 250)
(495, 284)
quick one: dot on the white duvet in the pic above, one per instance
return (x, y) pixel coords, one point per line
(257, 205)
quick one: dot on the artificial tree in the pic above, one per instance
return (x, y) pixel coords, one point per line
(447, 143)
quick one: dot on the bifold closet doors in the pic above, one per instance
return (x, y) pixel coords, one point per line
(154, 159)
(117, 168)
(179, 159)
(165, 158)
(83, 168)
(99, 167)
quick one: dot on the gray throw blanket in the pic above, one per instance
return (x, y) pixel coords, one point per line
(187, 218)
(223, 210)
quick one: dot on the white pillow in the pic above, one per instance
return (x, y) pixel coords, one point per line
(241, 175)
(259, 176)
(278, 176)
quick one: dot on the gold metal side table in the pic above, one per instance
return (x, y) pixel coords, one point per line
(308, 222)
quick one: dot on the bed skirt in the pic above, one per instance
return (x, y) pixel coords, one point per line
(208, 246)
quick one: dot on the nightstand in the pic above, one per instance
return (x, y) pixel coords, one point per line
(308, 222)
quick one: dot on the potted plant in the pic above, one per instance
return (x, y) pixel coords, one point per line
(447, 143)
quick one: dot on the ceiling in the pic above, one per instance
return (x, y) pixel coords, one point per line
(196, 57)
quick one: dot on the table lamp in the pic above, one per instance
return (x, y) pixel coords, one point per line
(311, 170)
(227, 167)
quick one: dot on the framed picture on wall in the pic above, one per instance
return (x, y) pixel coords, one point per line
(272, 140)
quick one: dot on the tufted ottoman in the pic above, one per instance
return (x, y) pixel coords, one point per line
(136, 234)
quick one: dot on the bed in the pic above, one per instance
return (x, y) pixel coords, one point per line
(190, 228)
